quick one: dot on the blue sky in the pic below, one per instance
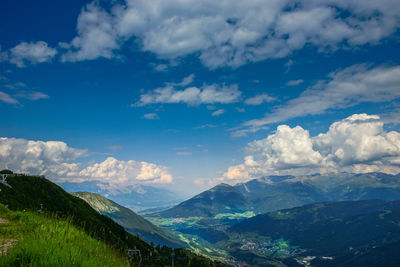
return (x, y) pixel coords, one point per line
(186, 95)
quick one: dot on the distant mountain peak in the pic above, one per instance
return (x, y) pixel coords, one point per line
(221, 186)
(218, 199)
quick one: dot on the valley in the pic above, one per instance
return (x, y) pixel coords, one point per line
(218, 222)
(334, 224)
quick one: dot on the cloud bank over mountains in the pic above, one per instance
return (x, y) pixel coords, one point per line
(220, 33)
(356, 144)
(57, 161)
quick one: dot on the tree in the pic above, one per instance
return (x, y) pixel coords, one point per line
(6, 172)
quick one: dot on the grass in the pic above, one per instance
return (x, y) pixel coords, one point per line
(235, 216)
(47, 241)
(174, 223)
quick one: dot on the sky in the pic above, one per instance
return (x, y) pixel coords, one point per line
(186, 94)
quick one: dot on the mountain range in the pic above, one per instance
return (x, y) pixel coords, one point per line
(281, 192)
(217, 216)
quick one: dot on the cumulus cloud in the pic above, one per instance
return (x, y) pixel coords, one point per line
(96, 36)
(259, 99)
(57, 161)
(218, 112)
(355, 144)
(358, 139)
(31, 53)
(119, 173)
(206, 94)
(343, 88)
(231, 33)
(37, 157)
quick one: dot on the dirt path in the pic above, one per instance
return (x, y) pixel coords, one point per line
(6, 243)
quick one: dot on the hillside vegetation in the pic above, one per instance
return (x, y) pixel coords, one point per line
(335, 233)
(32, 193)
(34, 240)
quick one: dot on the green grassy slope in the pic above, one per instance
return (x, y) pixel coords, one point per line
(132, 222)
(45, 241)
(29, 192)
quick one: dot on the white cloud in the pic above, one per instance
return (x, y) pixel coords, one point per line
(259, 99)
(218, 112)
(17, 92)
(161, 67)
(37, 157)
(358, 139)
(150, 116)
(355, 144)
(186, 81)
(206, 94)
(294, 82)
(342, 89)
(7, 98)
(31, 53)
(119, 173)
(56, 160)
(231, 33)
(96, 36)
(289, 65)
(32, 95)
(392, 117)
(204, 126)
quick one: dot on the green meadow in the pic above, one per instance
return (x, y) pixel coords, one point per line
(39, 240)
